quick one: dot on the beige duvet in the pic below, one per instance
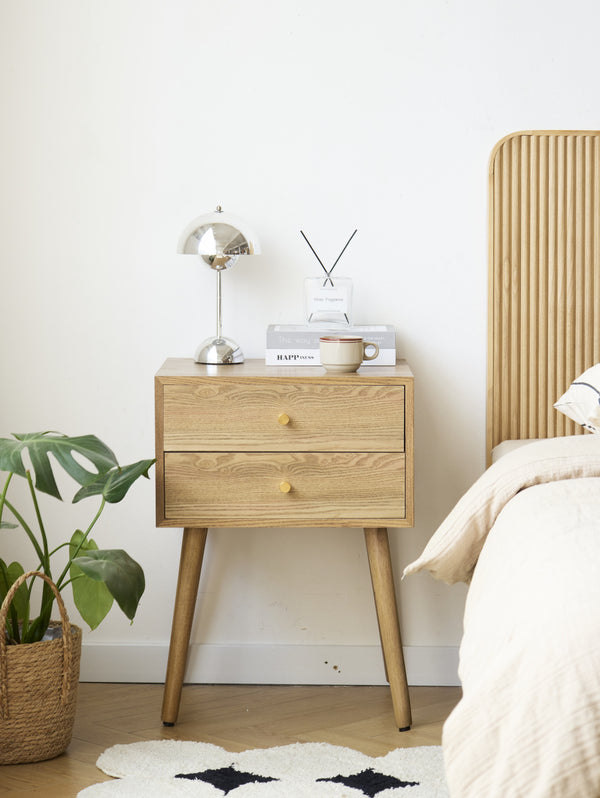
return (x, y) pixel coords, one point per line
(527, 537)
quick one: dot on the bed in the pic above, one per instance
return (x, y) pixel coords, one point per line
(526, 536)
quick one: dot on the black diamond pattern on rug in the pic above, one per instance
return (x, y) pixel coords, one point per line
(370, 782)
(225, 779)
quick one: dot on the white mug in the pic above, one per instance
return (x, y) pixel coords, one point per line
(345, 352)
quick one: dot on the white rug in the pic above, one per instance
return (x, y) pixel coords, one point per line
(165, 768)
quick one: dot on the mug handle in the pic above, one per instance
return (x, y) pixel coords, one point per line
(375, 353)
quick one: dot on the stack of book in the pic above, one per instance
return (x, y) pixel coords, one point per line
(298, 344)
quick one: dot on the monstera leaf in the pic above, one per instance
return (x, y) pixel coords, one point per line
(114, 484)
(8, 575)
(41, 444)
(121, 574)
(92, 598)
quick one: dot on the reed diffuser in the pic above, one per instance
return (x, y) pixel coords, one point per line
(328, 300)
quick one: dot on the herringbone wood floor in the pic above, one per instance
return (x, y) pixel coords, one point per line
(236, 717)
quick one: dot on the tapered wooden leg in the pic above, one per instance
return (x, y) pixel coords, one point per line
(378, 551)
(190, 564)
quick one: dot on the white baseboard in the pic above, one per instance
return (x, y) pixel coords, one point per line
(268, 664)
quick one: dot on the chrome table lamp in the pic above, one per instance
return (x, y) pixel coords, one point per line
(219, 239)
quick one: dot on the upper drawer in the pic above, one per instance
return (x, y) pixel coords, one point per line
(223, 415)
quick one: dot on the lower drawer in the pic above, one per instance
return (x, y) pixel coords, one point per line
(284, 489)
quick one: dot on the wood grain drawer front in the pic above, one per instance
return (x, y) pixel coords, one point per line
(291, 489)
(218, 415)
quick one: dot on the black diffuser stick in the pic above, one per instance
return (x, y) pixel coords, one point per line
(317, 257)
(342, 252)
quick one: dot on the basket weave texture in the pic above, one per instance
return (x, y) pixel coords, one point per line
(38, 688)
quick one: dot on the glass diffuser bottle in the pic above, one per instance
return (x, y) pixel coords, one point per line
(328, 301)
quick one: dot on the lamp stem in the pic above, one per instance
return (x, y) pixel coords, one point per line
(219, 328)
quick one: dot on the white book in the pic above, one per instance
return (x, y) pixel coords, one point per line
(307, 335)
(312, 357)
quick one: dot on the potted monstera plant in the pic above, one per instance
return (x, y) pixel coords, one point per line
(39, 658)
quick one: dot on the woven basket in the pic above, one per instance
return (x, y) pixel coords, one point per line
(38, 688)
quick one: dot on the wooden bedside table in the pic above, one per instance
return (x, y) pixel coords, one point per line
(250, 445)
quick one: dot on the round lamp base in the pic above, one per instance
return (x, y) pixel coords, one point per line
(219, 352)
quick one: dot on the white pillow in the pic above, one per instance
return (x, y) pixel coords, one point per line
(581, 402)
(509, 446)
(453, 550)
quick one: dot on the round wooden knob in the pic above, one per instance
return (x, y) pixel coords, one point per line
(285, 487)
(283, 419)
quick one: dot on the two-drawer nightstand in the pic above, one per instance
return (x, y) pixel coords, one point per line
(251, 445)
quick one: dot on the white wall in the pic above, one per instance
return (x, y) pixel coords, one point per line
(124, 119)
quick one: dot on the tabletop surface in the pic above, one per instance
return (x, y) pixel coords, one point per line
(186, 367)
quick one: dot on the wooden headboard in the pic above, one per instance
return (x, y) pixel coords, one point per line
(544, 278)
